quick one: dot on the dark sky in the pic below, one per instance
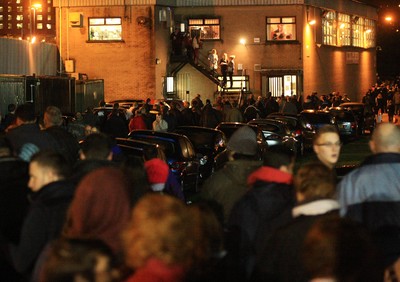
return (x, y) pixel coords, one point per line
(388, 37)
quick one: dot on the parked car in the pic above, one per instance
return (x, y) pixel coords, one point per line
(299, 128)
(346, 121)
(180, 154)
(135, 148)
(314, 119)
(277, 132)
(365, 119)
(125, 103)
(208, 142)
(228, 128)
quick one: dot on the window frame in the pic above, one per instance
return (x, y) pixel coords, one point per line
(195, 27)
(273, 24)
(105, 24)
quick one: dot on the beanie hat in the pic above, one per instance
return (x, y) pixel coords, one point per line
(243, 141)
(157, 171)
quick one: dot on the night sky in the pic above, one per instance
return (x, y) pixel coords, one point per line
(388, 37)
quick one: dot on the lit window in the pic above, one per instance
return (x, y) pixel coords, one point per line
(1, 9)
(39, 18)
(48, 26)
(1, 26)
(358, 31)
(48, 9)
(105, 29)
(9, 18)
(9, 9)
(329, 25)
(18, 1)
(19, 25)
(281, 29)
(369, 33)
(20, 9)
(39, 26)
(1, 18)
(207, 28)
(344, 29)
(9, 26)
(49, 1)
(49, 17)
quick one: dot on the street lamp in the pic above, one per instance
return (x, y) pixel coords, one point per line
(34, 7)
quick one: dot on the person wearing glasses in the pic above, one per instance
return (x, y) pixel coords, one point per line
(327, 145)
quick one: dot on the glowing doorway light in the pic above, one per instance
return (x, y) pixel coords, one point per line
(170, 84)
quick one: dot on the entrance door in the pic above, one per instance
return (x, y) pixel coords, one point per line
(280, 84)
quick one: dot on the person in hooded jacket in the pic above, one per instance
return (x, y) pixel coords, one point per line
(265, 207)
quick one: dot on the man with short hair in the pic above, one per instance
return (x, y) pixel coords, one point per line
(67, 144)
(371, 193)
(26, 138)
(96, 151)
(51, 197)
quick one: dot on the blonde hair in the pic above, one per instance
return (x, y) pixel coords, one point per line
(161, 227)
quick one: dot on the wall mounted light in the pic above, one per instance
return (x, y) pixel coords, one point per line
(312, 22)
(242, 41)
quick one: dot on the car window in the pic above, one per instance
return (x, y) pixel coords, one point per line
(169, 148)
(318, 118)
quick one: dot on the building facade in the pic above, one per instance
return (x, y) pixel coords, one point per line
(289, 47)
(28, 19)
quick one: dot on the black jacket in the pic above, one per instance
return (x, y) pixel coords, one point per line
(43, 223)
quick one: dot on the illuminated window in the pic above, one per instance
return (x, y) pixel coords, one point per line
(1, 9)
(19, 25)
(369, 33)
(20, 18)
(20, 9)
(344, 29)
(9, 9)
(1, 18)
(1, 26)
(49, 17)
(105, 29)
(281, 29)
(48, 9)
(9, 26)
(9, 18)
(208, 29)
(48, 26)
(358, 32)
(329, 27)
(39, 26)
(39, 18)
(49, 1)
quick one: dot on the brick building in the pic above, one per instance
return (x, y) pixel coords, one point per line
(283, 46)
(25, 19)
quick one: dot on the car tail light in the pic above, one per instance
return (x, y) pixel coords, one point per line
(297, 132)
(353, 125)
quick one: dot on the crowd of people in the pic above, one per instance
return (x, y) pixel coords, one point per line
(82, 212)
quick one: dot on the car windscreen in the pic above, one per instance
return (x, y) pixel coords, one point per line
(200, 139)
(169, 147)
(318, 118)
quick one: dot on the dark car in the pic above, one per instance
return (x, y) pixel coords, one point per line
(277, 132)
(299, 128)
(346, 121)
(180, 154)
(365, 119)
(126, 103)
(314, 119)
(208, 142)
(135, 148)
(228, 128)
